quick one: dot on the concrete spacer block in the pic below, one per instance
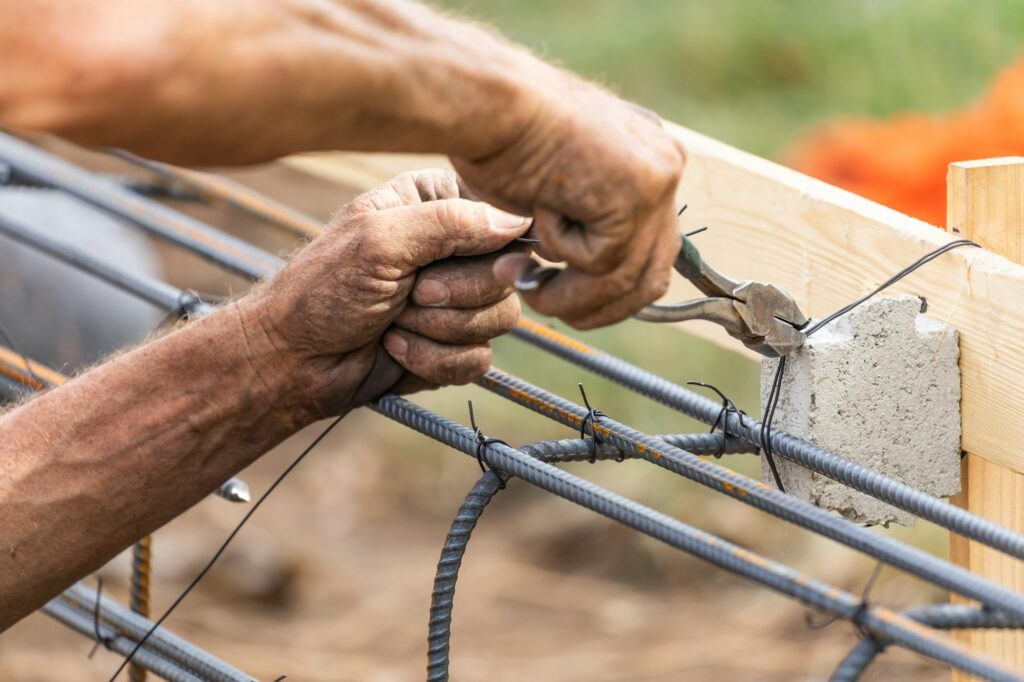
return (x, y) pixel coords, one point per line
(880, 386)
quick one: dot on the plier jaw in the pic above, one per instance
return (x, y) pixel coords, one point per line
(762, 316)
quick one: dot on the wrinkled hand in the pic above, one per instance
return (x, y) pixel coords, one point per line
(599, 175)
(396, 294)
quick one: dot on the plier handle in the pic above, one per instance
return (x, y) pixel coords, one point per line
(763, 316)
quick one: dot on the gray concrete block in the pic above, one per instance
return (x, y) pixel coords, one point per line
(881, 387)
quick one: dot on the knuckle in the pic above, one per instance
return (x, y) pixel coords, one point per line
(662, 169)
(620, 281)
(512, 311)
(581, 324)
(606, 256)
(436, 183)
(402, 187)
(478, 361)
(493, 321)
(379, 256)
(459, 367)
(447, 213)
(656, 287)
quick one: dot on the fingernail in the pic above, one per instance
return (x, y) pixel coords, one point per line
(431, 292)
(510, 267)
(396, 345)
(535, 278)
(500, 220)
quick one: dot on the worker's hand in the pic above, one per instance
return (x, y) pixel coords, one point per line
(599, 175)
(397, 294)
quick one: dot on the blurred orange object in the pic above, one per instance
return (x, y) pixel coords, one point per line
(901, 162)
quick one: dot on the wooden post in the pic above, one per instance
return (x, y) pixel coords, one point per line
(985, 203)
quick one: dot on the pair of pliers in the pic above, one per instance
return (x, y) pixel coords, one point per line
(763, 316)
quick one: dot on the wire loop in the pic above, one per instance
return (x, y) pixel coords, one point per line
(482, 443)
(592, 417)
(100, 639)
(722, 420)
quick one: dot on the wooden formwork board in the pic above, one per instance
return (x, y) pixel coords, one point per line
(828, 247)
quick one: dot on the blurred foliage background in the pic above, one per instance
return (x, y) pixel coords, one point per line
(757, 73)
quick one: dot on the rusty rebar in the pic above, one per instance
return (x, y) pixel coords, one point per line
(142, 566)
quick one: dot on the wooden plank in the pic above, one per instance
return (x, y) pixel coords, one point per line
(985, 202)
(363, 170)
(827, 247)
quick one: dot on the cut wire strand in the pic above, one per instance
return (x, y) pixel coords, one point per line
(780, 369)
(220, 550)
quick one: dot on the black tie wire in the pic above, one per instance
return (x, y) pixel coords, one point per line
(603, 437)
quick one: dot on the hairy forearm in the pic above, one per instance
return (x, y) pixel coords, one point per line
(237, 81)
(112, 455)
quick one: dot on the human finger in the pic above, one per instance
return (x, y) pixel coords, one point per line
(460, 283)
(437, 363)
(462, 325)
(412, 236)
(413, 187)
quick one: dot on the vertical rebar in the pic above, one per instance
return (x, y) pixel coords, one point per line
(142, 560)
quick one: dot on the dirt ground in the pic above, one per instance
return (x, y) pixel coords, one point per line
(332, 581)
(332, 578)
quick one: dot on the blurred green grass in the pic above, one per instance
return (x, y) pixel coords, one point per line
(757, 73)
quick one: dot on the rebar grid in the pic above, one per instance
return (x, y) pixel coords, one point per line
(829, 599)
(759, 495)
(675, 453)
(165, 654)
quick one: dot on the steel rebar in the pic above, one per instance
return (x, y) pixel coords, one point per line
(83, 624)
(245, 259)
(208, 186)
(759, 495)
(141, 572)
(149, 289)
(941, 616)
(875, 619)
(48, 170)
(807, 454)
(453, 552)
(130, 627)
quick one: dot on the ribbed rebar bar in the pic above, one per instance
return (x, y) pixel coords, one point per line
(149, 289)
(941, 616)
(48, 170)
(874, 619)
(243, 258)
(128, 627)
(83, 624)
(759, 495)
(442, 599)
(207, 187)
(443, 596)
(807, 454)
(44, 167)
(141, 574)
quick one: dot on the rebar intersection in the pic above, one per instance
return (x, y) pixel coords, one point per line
(1000, 607)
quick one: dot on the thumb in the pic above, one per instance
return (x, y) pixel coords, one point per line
(420, 234)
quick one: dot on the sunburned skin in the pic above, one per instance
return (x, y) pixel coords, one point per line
(242, 81)
(135, 441)
(402, 293)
